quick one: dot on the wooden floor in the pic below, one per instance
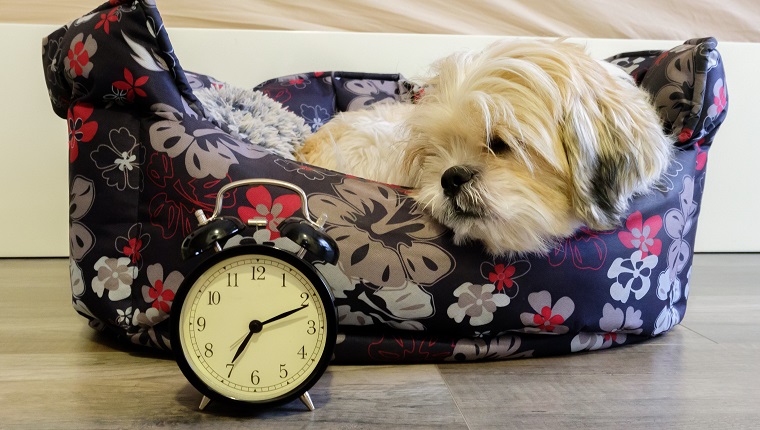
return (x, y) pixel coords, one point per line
(55, 372)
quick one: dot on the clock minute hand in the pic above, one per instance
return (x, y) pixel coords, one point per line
(284, 314)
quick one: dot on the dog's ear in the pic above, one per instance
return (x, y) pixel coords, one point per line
(615, 148)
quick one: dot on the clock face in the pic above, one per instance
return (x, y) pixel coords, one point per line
(256, 325)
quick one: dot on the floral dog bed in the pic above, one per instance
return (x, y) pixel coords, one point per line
(143, 157)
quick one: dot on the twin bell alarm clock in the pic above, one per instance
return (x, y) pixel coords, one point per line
(255, 325)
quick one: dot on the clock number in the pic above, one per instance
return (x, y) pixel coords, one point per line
(302, 352)
(283, 280)
(255, 379)
(230, 366)
(283, 372)
(258, 273)
(214, 297)
(305, 297)
(312, 327)
(201, 322)
(209, 350)
(232, 280)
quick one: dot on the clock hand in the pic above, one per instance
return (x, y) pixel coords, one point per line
(256, 326)
(284, 314)
(253, 328)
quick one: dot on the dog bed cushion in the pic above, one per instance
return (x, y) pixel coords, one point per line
(143, 157)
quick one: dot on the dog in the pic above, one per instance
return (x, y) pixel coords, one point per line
(516, 146)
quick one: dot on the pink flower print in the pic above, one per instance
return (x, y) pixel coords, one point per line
(273, 211)
(701, 155)
(642, 235)
(106, 19)
(80, 130)
(77, 61)
(720, 99)
(131, 85)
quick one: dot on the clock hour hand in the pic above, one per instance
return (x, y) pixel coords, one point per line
(253, 328)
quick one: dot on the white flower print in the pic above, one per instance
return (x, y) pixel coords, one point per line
(678, 224)
(124, 317)
(477, 302)
(208, 151)
(315, 116)
(77, 282)
(120, 161)
(114, 275)
(617, 324)
(631, 276)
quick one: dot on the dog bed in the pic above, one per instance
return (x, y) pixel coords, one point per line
(143, 156)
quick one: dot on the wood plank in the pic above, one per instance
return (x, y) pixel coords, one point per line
(55, 372)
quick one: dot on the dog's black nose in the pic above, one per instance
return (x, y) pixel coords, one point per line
(453, 179)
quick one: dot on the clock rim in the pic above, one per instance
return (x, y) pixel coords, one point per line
(311, 274)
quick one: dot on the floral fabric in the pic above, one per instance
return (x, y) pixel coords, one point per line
(143, 158)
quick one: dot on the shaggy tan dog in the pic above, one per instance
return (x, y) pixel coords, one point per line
(515, 146)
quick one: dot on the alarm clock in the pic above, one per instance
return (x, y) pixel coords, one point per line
(255, 325)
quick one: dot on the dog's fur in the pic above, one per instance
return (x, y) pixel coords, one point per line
(516, 146)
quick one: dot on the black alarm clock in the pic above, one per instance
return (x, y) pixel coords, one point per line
(255, 325)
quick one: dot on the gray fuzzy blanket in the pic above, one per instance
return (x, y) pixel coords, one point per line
(252, 116)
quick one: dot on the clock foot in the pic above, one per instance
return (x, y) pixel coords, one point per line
(306, 399)
(204, 402)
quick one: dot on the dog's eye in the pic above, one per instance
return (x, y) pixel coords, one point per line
(497, 145)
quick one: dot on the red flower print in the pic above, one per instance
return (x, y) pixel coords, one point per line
(107, 19)
(132, 250)
(409, 348)
(263, 207)
(80, 130)
(685, 135)
(77, 62)
(547, 322)
(159, 292)
(131, 86)
(642, 235)
(661, 57)
(79, 57)
(133, 244)
(502, 276)
(547, 317)
(161, 297)
(160, 169)
(281, 95)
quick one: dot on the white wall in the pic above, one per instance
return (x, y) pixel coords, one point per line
(33, 164)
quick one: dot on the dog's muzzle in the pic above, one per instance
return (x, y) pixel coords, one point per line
(457, 183)
(454, 178)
